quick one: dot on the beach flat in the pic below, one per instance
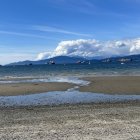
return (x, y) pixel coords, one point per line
(14, 89)
(126, 85)
(129, 85)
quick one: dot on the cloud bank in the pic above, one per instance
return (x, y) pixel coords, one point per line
(92, 48)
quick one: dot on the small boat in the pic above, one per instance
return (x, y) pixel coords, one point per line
(78, 62)
(89, 63)
(122, 63)
(106, 60)
(51, 62)
(30, 64)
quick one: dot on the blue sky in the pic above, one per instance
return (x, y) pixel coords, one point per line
(28, 27)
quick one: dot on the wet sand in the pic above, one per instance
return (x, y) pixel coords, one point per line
(113, 85)
(109, 85)
(118, 121)
(31, 88)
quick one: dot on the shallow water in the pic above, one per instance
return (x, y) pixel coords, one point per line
(67, 79)
(63, 97)
(64, 73)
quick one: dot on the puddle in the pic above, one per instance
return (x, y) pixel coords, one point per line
(62, 97)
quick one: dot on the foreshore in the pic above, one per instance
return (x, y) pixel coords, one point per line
(107, 121)
(125, 85)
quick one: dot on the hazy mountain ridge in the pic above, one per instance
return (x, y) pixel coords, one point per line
(72, 60)
(57, 60)
(133, 58)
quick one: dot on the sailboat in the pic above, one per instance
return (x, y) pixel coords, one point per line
(89, 63)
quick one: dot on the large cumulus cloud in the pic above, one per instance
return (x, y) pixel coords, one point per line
(93, 48)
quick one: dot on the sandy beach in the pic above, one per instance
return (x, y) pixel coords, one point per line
(118, 121)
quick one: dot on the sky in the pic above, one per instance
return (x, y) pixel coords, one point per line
(37, 29)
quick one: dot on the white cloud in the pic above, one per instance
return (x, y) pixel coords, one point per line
(43, 55)
(93, 48)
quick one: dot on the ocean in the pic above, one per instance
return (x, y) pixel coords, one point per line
(69, 70)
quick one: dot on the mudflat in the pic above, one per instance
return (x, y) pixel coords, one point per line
(31, 88)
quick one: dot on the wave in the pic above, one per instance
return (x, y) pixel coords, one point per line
(73, 80)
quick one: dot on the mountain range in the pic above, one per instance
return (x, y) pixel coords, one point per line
(72, 60)
(57, 60)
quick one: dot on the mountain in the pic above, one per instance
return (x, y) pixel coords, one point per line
(57, 60)
(66, 59)
(72, 60)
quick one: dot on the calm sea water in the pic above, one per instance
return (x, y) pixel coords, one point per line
(45, 71)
